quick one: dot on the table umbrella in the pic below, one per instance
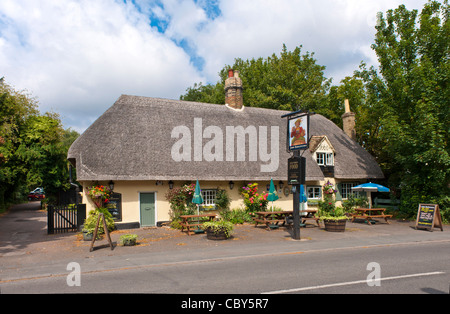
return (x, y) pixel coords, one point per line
(369, 188)
(197, 199)
(273, 195)
(303, 204)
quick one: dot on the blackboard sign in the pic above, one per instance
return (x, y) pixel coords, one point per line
(115, 206)
(296, 170)
(428, 217)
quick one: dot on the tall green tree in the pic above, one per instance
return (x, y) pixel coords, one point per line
(413, 93)
(285, 82)
(33, 146)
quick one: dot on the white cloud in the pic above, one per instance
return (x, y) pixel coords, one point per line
(77, 57)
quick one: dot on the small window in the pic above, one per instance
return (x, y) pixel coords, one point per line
(209, 197)
(313, 192)
(325, 159)
(320, 159)
(346, 189)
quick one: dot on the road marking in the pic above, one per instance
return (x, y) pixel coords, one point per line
(351, 283)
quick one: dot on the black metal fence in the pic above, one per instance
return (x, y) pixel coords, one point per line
(65, 218)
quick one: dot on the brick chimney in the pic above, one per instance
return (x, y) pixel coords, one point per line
(348, 119)
(233, 90)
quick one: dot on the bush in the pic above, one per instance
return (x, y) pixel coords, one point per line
(236, 216)
(91, 221)
(254, 201)
(128, 239)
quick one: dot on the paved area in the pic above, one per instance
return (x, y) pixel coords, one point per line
(26, 250)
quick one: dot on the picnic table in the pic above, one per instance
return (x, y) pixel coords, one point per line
(310, 215)
(189, 221)
(271, 218)
(370, 213)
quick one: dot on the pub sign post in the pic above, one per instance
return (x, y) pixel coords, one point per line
(297, 139)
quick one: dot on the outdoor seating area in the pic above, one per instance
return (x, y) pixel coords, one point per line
(190, 221)
(273, 219)
(369, 213)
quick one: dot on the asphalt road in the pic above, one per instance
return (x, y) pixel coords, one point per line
(257, 262)
(404, 269)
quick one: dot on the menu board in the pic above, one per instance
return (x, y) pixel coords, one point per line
(428, 217)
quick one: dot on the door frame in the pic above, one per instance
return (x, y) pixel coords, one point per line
(156, 207)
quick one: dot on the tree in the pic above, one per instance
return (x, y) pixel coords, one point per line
(413, 52)
(33, 146)
(282, 82)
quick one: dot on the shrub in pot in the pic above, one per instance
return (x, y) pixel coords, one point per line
(128, 239)
(334, 218)
(218, 230)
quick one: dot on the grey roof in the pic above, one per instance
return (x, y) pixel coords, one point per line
(132, 141)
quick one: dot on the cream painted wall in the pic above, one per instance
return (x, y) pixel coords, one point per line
(130, 196)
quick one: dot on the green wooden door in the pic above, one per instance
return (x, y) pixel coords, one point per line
(147, 207)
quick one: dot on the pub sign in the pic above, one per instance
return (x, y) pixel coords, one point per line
(296, 170)
(298, 132)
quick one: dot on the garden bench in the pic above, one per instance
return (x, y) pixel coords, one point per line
(370, 213)
(189, 221)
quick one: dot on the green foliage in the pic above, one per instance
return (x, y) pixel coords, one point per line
(222, 200)
(236, 216)
(413, 51)
(278, 82)
(353, 202)
(33, 147)
(254, 201)
(219, 226)
(180, 200)
(91, 221)
(128, 239)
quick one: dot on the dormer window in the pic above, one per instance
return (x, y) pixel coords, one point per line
(325, 159)
(322, 151)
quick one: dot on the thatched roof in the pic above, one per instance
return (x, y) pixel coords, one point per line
(132, 141)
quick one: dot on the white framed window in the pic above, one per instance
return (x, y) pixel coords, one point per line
(313, 192)
(346, 189)
(325, 159)
(209, 197)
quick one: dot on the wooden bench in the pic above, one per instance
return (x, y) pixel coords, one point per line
(189, 221)
(271, 218)
(310, 215)
(370, 213)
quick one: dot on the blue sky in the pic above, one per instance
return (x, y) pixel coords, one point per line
(78, 56)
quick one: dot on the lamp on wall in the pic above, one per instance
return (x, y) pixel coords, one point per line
(171, 184)
(111, 185)
(280, 184)
(231, 183)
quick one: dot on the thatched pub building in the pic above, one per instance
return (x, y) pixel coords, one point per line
(144, 146)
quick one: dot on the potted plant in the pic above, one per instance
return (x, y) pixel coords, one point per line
(218, 230)
(91, 222)
(128, 239)
(334, 218)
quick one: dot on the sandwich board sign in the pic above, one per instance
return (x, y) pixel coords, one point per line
(429, 217)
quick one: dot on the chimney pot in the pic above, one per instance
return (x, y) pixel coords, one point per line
(233, 90)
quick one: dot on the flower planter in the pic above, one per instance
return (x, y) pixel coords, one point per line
(87, 236)
(128, 239)
(129, 242)
(335, 225)
(216, 234)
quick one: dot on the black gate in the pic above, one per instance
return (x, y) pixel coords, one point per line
(65, 218)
